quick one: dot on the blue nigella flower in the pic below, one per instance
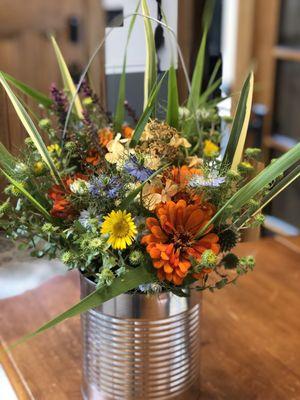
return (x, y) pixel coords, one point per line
(104, 185)
(212, 181)
(136, 169)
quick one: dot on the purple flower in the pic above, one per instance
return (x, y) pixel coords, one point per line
(105, 186)
(136, 169)
(60, 101)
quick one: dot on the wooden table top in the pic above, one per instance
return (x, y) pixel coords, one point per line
(250, 341)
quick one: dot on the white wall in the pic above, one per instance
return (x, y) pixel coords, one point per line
(115, 43)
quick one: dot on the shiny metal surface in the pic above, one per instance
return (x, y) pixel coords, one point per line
(141, 347)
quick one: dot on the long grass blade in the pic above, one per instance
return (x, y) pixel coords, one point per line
(134, 278)
(252, 188)
(235, 147)
(209, 91)
(199, 67)
(25, 193)
(274, 192)
(67, 79)
(151, 62)
(31, 129)
(29, 91)
(146, 114)
(119, 116)
(7, 160)
(173, 101)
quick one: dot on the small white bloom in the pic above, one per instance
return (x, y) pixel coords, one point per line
(79, 186)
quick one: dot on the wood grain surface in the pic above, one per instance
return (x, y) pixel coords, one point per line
(250, 337)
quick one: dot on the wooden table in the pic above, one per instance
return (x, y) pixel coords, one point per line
(251, 333)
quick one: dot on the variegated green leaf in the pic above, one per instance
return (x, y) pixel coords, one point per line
(34, 94)
(235, 147)
(134, 278)
(67, 79)
(31, 129)
(151, 62)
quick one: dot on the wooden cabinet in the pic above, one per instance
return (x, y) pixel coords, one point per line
(27, 54)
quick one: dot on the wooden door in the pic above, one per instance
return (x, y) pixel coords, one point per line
(27, 54)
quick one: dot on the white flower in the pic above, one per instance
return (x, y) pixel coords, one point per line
(79, 186)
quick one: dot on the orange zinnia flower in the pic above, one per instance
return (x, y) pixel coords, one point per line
(62, 207)
(93, 157)
(105, 135)
(172, 241)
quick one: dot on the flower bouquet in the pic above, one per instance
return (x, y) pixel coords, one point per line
(149, 215)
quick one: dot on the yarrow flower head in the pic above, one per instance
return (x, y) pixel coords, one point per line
(135, 168)
(104, 185)
(212, 180)
(121, 229)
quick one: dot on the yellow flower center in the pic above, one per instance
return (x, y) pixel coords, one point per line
(120, 228)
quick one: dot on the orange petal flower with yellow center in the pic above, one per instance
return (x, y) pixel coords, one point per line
(172, 241)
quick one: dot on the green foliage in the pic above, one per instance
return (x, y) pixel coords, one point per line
(151, 62)
(31, 129)
(235, 146)
(146, 114)
(66, 77)
(173, 101)
(134, 278)
(27, 90)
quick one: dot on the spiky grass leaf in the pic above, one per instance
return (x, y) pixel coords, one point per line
(150, 77)
(66, 77)
(235, 147)
(257, 184)
(196, 86)
(173, 102)
(275, 191)
(31, 129)
(119, 116)
(209, 91)
(7, 160)
(29, 91)
(25, 193)
(146, 114)
(134, 278)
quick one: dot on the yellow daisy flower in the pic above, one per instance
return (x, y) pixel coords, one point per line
(121, 229)
(210, 149)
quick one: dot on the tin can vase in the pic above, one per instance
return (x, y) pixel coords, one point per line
(140, 347)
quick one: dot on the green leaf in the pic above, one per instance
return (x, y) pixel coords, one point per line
(151, 62)
(214, 73)
(133, 278)
(119, 116)
(31, 129)
(7, 160)
(235, 147)
(67, 79)
(196, 86)
(33, 201)
(199, 67)
(209, 91)
(132, 195)
(252, 188)
(275, 191)
(34, 94)
(173, 102)
(146, 114)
